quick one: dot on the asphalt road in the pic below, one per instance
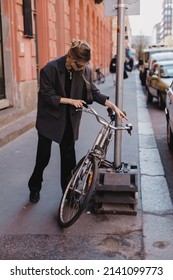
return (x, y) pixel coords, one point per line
(159, 124)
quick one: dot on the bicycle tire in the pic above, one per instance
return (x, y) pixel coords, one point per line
(102, 78)
(98, 79)
(78, 192)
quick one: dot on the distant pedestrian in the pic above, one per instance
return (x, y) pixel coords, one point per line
(65, 84)
(127, 68)
(112, 68)
(131, 63)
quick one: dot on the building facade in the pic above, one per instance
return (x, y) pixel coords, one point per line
(156, 34)
(32, 32)
(163, 31)
(167, 20)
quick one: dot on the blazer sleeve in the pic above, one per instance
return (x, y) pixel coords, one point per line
(48, 86)
(97, 95)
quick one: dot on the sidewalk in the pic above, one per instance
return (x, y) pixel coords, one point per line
(30, 231)
(156, 203)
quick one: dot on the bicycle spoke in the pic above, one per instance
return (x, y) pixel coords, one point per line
(78, 193)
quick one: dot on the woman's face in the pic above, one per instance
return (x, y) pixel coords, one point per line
(76, 65)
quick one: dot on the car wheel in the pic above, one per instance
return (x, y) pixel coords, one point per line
(169, 136)
(160, 101)
(149, 96)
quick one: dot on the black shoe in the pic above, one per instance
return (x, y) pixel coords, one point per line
(34, 197)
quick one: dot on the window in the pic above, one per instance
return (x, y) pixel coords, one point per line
(98, 1)
(27, 17)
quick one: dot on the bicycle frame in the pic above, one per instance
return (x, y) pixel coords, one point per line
(102, 142)
(84, 176)
(105, 135)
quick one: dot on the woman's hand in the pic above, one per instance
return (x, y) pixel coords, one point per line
(111, 105)
(78, 103)
(120, 113)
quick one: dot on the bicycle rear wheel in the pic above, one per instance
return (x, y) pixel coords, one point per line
(102, 78)
(78, 192)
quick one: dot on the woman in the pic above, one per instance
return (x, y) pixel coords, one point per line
(65, 84)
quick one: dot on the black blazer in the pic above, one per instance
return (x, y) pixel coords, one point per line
(51, 115)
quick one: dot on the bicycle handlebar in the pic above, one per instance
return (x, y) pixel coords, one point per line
(103, 121)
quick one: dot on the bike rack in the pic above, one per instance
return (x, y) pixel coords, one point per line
(117, 190)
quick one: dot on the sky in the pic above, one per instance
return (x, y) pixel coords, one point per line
(150, 14)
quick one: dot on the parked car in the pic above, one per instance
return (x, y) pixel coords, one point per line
(158, 82)
(158, 57)
(169, 116)
(145, 59)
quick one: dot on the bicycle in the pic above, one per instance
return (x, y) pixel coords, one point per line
(100, 77)
(82, 182)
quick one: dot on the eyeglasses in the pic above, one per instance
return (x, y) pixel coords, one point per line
(79, 65)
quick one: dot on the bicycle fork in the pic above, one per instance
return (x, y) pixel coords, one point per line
(102, 142)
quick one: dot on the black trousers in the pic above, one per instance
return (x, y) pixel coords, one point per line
(68, 159)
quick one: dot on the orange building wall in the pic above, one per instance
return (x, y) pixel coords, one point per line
(25, 48)
(85, 20)
(19, 57)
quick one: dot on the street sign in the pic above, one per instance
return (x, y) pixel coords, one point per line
(132, 7)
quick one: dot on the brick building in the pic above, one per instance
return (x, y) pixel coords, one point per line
(32, 32)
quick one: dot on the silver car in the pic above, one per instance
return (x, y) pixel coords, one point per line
(169, 116)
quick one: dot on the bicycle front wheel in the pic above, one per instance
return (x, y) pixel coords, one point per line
(78, 192)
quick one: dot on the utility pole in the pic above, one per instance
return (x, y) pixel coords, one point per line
(117, 186)
(121, 8)
(119, 77)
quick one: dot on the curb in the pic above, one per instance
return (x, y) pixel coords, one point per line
(14, 129)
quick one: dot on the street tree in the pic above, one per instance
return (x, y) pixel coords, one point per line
(139, 43)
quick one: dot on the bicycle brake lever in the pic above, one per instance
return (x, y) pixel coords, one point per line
(129, 128)
(85, 105)
(110, 112)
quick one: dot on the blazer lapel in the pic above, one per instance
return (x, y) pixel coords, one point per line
(61, 69)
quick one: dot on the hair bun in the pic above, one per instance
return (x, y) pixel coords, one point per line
(80, 50)
(76, 43)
